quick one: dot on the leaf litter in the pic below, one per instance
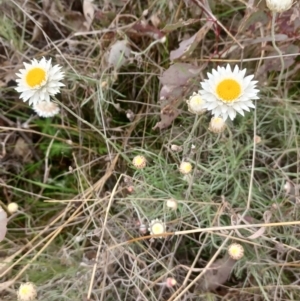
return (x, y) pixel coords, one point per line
(177, 81)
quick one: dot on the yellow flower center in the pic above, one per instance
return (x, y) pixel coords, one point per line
(196, 100)
(185, 167)
(139, 161)
(24, 290)
(217, 121)
(228, 90)
(157, 228)
(35, 77)
(234, 251)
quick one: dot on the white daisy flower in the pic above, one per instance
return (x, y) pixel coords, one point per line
(227, 92)
(46, 108)
(157, 227)
(279, 6)
(27, 292)
(39, 80)
(195, 104)
(236, 251)
(139, 162)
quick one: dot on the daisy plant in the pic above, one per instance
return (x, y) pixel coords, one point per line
(227, 92)
(27, 292)
(37, 83)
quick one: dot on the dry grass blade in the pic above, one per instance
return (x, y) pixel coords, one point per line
(151, 81)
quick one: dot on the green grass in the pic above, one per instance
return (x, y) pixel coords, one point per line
(76, 202)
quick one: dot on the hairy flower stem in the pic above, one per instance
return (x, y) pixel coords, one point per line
(277, 49)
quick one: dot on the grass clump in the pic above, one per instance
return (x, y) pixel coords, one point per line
(134, 148)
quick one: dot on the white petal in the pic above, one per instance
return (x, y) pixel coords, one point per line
(231, 113)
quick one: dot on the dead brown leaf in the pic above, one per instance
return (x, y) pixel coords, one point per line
(179, 24)
(155, 20)
(187, 47)
(143, 28)
(37, 30)
(22, 150)
(75, 21)
(176, 81)
(118, 54)
(6, 285)
(218, 273)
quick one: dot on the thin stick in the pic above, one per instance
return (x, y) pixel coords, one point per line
(210, 229)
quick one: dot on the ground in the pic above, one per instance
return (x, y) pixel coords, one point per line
(84, 209)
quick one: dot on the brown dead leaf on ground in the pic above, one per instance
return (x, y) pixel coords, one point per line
(181, 23)
(118, 54)
(22, 150)
(37, 30)
(7, 73)
(176, 81)
(6, 285)
(58, 18)
(145, 29)
(155, 20)
(217, 274)
(75, 21)
(187, 47)
(273, 65)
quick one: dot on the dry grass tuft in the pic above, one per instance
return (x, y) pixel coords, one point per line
(81, 228)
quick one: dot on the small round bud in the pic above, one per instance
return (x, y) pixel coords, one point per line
(287, 187)
(217, 125)
(143, 229)
(176, 148)
(196, 104)
(27, 291)
(12, 207)
(172, 204)
(163, 39)
(79, 238)
(185, 167)
(103, 84)
(130, 115)
(236, 251)
(145, 13)
(279, 6)
(130, 189)
(139, 162)
(170, 282)
(257, 139)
